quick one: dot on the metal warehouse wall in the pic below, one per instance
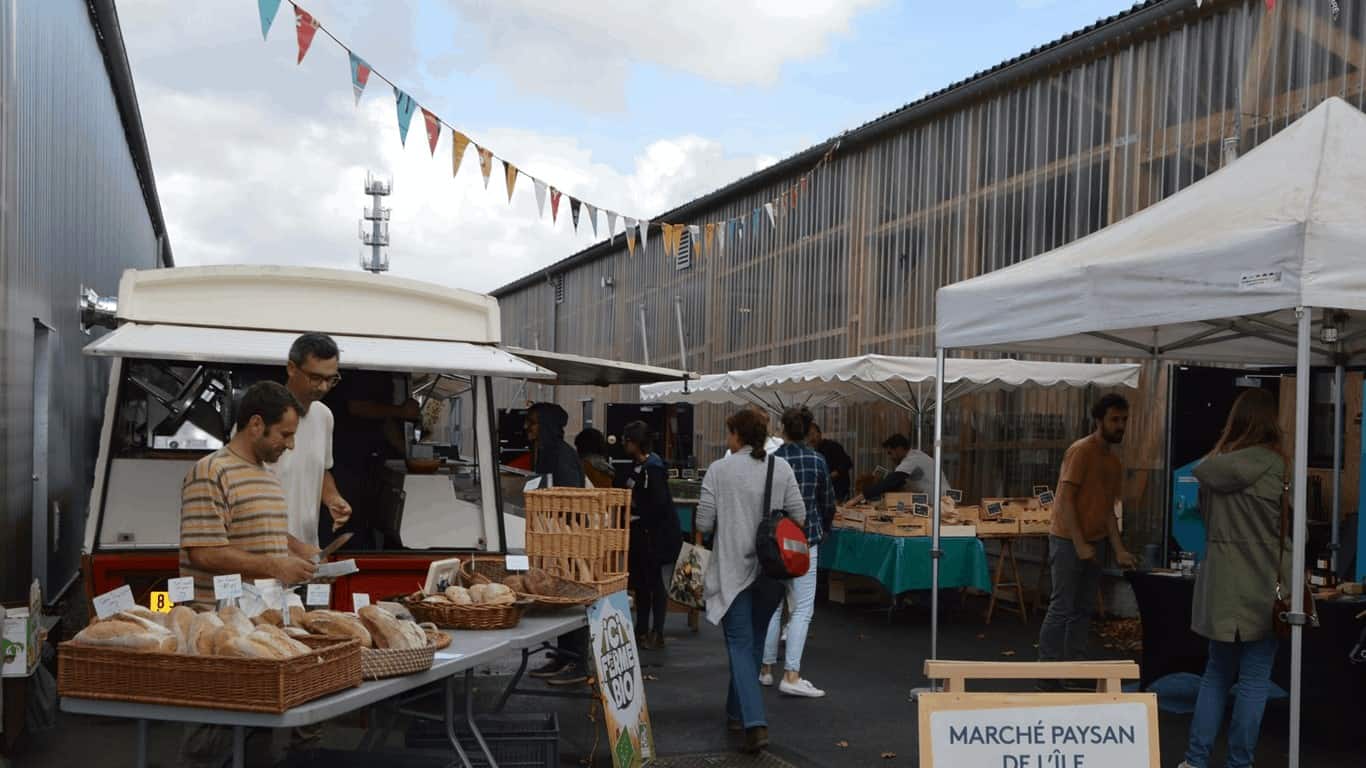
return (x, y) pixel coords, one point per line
(73, 215)
(1014, 174)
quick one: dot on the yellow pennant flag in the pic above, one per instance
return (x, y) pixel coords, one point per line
(485, 163)
(511, 171)
(458, 143)
(670, 239)
(631, 240)
(710, 232)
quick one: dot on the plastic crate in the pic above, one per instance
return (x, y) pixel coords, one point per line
(516, 740)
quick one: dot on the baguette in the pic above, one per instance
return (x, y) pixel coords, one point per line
(118, 634)
(338, 624)
(389, 632)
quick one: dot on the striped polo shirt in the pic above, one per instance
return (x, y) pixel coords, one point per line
(227, 501)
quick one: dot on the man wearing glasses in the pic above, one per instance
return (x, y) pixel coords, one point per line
(306, 471)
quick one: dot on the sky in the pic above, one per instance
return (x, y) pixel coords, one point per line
(633, 105)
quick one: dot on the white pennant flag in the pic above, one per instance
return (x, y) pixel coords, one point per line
(540, 197)
(772, 221)
(644, 234)
(612, 226)
(721, 236)
(695, 234)
(593, 217)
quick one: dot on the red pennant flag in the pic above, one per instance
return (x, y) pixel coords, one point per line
(433, 129)
(306, 27)
(1271, 5)
(554, 205)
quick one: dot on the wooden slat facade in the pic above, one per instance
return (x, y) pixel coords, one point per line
(1021, 170)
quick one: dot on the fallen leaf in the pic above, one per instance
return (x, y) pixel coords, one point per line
(888, 755)
(842, 744)
(981, 637)
(1007, 653)
(651, 677)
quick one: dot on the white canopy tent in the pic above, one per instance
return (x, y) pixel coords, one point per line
(901, 381)
(1260, 263)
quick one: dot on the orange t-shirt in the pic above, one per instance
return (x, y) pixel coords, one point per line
(1094, 474)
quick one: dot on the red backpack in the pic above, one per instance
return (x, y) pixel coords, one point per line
(780, 543)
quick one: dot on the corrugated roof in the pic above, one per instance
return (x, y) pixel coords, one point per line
(1103, 32)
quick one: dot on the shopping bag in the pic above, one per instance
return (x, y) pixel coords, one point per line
(686, 587)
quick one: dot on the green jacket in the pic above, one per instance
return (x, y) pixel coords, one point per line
(1240, 501)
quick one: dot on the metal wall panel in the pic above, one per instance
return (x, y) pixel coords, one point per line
(74, 215)
(1024, 170)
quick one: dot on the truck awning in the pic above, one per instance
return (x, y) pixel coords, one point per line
(233, 345)
(576, 370)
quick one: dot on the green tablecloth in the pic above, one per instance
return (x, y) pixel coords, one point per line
(903, 564)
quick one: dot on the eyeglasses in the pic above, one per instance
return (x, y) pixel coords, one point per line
(318, 380)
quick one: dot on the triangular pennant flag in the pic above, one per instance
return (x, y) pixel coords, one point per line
(804, 180)
(268, 9)
(794, 197)
(754, 220)
(433, 129)
(709, 233)
(695, 235)
(510, 171)
(644, 234)
(1271, 5)
(458, 143)
(540, 197)
(554, 205)
(739, 230)
(360, 75)
(612, 226)
(406, 108)
(593, 217)
(772, 220)
(631, 236)
(574, 206)
(305, 27)
(721, 236)
(667, 232)
(485, 163)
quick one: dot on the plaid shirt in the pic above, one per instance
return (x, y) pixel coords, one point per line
(813, 477)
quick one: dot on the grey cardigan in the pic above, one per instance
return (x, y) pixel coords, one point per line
(732, 504)
(1240, 501)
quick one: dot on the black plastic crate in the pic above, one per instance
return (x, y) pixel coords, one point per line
(516, 740)
(338, 758)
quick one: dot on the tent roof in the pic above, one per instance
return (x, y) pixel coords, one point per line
(900, 380)
(1213, 272)
(580, 370)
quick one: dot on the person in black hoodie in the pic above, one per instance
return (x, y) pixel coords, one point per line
(656, 535)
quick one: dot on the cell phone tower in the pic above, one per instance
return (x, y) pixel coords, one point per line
(377, 238)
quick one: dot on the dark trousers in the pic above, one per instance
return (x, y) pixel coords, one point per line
(1066, 627)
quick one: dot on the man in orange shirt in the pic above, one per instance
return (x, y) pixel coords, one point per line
(1083, 524)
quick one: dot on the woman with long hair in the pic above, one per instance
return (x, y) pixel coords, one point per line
(738, 596)
(1241, 483)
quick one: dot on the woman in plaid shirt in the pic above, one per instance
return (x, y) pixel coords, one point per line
(813, 478)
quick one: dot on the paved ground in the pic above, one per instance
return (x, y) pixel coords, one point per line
(866, 661)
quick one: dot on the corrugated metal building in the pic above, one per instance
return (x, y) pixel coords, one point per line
(78, 206)
(1039, 151)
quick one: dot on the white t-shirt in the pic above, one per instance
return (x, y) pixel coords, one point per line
(301, 471)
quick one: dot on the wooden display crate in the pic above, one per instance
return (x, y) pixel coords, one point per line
(968, 515)
(900, 526)
(852, 589)
(996, 520)
(852, 518)
(907, 501)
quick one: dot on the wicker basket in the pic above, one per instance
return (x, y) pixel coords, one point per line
(452, 616)
(566, 593)
(580, 534)
(244, 685)
(379, 663)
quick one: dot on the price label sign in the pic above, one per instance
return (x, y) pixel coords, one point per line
(160, 602)
(180, 590)
(319, 594)
(359, 600)
(518, 563)
(228, 587)
(112, 602)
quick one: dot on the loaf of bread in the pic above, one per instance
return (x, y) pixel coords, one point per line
(477, 593)
(459, 595)
(169, 644)
(233, 617)
(156, 628)
(182, 620)
(276, 638)
(389, 632)
(437, 599)
(338, 624)
(538, 582)
(498, 594)
(296, 632)
(119, 634)
(161, 619)
(516, 584)
(202, 629)
(274, 617)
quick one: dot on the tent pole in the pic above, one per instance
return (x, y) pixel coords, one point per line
(1305, 315)
(1338, 405)
(935, 553)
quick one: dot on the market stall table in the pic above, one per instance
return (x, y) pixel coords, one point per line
(468, 649)
(902, 564)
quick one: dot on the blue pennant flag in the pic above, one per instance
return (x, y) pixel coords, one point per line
(406, 108)
(360, 75)
(754, 220)
(268, 9)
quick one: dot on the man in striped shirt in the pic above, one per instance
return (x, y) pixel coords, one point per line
(233, 513)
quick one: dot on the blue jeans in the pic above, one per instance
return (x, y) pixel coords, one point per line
(1249, 665)
(801, 595)
(1067, 626)
(745, 624)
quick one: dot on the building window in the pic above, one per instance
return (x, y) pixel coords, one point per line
(558, 282)
(683, 257)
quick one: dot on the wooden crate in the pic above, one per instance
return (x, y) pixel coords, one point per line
(852, 589)
(968, 515)
(907, 501)
(900, 526)
(996, 520)
(852, 518)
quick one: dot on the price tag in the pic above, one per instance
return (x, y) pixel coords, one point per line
(359, 600)
(319, 594)
(518, 563)
(181, 590)
(160, 602)
(112, 602)
(227, 587)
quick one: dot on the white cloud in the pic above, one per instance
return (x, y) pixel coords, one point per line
(259, 161)
(582, 52)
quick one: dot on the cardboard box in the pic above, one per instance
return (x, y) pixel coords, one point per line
(851, 589)
(19, 635)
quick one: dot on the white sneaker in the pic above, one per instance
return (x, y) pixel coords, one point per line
(766, 679)
(802, 688)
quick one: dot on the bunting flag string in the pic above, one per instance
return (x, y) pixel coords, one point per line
(704, 236)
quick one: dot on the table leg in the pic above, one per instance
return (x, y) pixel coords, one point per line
(1019, 586)
(512, 686)
(142, 744)
(469, 717)
(239, 746)
(996, 580)
(450, 723)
